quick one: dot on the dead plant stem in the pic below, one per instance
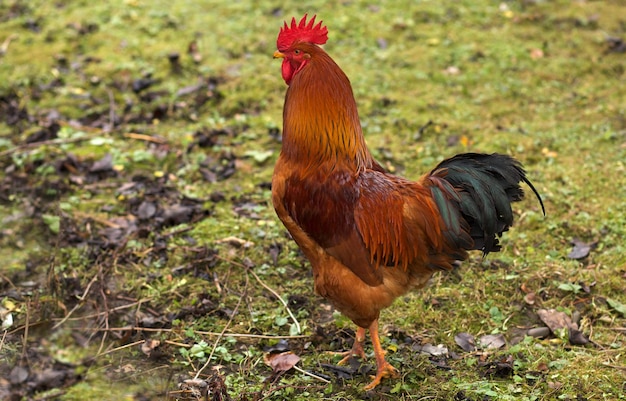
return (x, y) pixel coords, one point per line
(204, 333)
(311, 374)
(79, 304)
(108, 311)
(232, 316)
(26, 324)
(285, 304)
(120, 348)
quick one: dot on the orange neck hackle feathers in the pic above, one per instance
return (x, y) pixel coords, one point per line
(321, 121)
(301, 32)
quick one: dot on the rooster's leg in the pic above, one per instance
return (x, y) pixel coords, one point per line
(383, 368)
(357, 347)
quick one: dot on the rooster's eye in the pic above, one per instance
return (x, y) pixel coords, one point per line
(296, 52)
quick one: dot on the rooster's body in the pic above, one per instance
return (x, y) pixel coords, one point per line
(371, 236)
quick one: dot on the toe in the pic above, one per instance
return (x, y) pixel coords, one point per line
(384, 371)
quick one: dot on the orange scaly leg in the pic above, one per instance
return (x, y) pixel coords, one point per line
(383, 368)
(357, 347)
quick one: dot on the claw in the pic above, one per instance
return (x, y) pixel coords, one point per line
(386, 370)
(383, 368)
(357, 348)
(356, 351)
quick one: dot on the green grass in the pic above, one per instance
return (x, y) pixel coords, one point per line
(531, 79)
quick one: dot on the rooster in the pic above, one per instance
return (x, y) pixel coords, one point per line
(371, 236)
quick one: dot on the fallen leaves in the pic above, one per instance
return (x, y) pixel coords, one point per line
(259, 156)
(103, 165)
(149, 345)
(433, 350)
(500, 367)
(465, 341)
(24, 380)
(282, 361)
(536, 54)
(468, 343)
(550, 154)
(530, 298)
(615, 45)
(557, 321)
(581, 249)
(492, 364)
(492, 341)
(211, 389)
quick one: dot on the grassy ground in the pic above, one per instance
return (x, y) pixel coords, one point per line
(137, 141)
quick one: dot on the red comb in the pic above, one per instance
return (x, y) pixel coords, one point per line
(302, 32)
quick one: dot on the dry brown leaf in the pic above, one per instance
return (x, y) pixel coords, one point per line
(555, 385)
(536, 54)
(433, 350)
(465, 341)
(556, 320)
(492, 341)
(530, 298)
(577, 337)
(149, 345)
(581, 249)
(281, 362)
(236, 242)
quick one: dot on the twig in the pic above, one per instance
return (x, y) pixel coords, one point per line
(421, 130)
(97, 219)
(145, 373)
(232, 316)
(5, 45)
(79, 304)
(4, 335)
(216, 281)
(51, 396)
(178, 231)
(313, 375)
(279, 298)
(267, 288)
(111, 111)
(144, 137)
(614, 366)
(177, 344)
(107, 311)
(106, 318)
(17, 329)
(120, 348)
(26, 325)
(262, 336)
(277, 388)
(204, 333)
(58, 141)
(8, 280)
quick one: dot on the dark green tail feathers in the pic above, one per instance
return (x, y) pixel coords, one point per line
(474, 193)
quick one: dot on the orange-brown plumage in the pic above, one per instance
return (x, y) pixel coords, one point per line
(371, 236)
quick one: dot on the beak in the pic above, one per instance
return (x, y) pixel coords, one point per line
(278, 54)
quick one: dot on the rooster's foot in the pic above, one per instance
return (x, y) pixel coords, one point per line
(386, 370)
